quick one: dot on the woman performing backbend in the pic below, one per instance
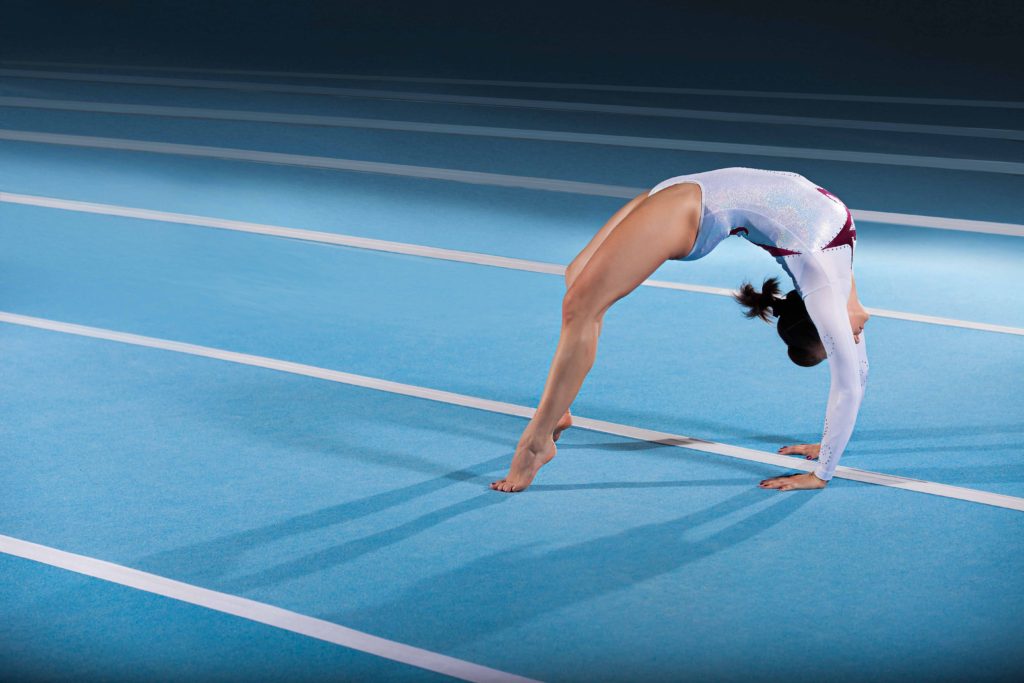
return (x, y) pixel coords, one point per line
(807, 229)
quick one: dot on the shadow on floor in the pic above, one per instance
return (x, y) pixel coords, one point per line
(511, 587)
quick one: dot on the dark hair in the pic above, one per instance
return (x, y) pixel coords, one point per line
(795, 325)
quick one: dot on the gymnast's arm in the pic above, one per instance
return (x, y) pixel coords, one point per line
(847, 360)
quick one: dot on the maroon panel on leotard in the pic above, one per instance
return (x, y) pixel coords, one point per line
(777, 251)
(848, 235)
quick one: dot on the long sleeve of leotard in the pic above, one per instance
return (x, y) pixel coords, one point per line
(848, 365)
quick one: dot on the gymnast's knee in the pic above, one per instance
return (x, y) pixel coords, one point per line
(578, 306)
(572, 271)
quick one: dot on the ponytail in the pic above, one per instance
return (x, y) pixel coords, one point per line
(758, 303)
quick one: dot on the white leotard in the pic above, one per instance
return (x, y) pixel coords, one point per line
(811, 234)
(779, 211)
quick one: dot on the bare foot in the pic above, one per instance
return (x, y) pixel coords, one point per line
(810, 451)
(794, 482)
(525, 464)
(564, 423)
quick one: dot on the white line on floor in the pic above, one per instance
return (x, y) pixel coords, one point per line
(512, 133)
(879, 478)
(453, 175)
(938, 222)
(878, 158)
(544, 85)
(256, 611)
(849, 156)
(419, 250)
(335, 164)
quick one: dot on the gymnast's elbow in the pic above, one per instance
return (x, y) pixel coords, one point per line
(848, 396)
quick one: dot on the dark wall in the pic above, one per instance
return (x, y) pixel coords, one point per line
(873, 46)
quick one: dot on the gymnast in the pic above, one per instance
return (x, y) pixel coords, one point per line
(806, 228)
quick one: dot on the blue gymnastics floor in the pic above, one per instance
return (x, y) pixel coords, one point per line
(371, 510)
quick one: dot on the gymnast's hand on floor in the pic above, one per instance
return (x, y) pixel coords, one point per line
(794, 482)
(810, 451)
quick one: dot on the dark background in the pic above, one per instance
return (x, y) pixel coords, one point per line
(951, 47)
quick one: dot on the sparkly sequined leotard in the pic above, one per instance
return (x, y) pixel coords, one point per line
(812, 235)
(784, 213)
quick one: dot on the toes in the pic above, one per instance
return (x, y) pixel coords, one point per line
(505, 486)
